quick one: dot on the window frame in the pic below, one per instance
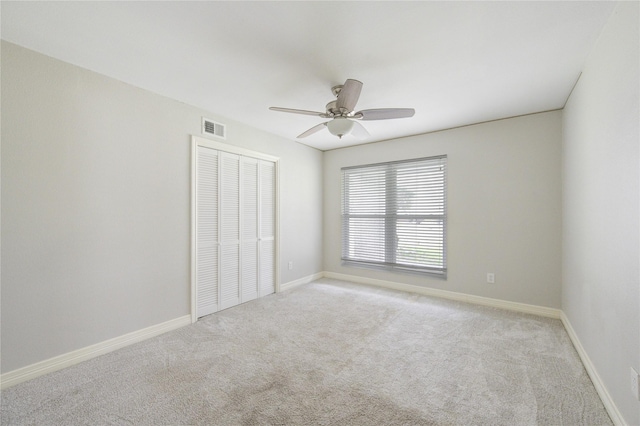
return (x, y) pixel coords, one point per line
(393, 218)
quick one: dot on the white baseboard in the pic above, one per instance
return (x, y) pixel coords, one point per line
(445, 294)
(301, 281)
(610, 406)
(59, 362)
(65, 360)
(607, 401)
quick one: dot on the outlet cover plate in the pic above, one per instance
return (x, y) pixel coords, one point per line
(635, 383)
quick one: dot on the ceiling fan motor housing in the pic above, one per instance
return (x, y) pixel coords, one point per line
(332, 108)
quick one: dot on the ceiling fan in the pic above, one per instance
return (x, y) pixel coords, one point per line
(343, 118)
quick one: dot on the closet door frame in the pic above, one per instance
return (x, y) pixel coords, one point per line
(196, 142)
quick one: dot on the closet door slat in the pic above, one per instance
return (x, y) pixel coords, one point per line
(207, 231)
(267, 228)
(250, 218)
(229, 230)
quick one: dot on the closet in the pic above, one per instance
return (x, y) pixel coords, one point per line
(233, 226)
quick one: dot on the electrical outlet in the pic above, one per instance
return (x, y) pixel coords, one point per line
(635, 383)
(290, 264)
(491, 278)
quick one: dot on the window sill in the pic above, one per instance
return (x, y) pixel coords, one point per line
(396, 268)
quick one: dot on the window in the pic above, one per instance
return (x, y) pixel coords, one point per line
(394, 215)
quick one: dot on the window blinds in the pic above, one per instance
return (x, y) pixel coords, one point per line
(394, 215)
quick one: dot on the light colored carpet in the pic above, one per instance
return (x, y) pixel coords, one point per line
(328, 353)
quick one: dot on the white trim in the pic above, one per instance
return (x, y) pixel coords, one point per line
(50, 365)
(276, 229)
(607, 401)
(232, 149)
(300, 281)
(609, 405)
(445, 294)
(194, 179)
(66, 360)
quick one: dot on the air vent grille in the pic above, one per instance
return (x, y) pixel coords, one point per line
(210, 127)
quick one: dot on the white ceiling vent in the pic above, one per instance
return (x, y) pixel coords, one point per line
(212, 128)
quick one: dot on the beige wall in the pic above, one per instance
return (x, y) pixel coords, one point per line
(503, 206)
(601, 207)
(96, 206)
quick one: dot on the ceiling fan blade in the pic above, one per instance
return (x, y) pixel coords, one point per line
(359, 131)
(349, 94)
(384, 113)
(312, 130)
(299, 111)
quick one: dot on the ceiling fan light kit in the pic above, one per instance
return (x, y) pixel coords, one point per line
(343, 118)
(340, 126)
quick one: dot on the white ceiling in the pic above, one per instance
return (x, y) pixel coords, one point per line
(456, 63)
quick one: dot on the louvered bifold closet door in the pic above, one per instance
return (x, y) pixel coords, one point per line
(267, 227)
(207, 261)
(249, 245)
(229, 230)
(234, 220)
